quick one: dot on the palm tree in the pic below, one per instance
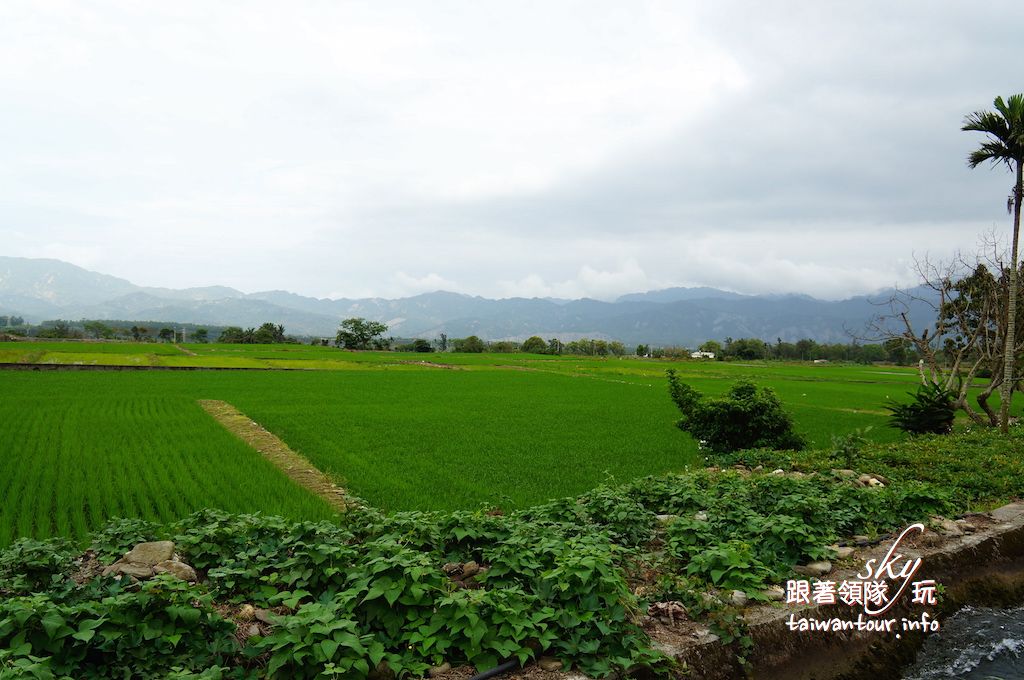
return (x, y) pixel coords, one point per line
(1005, 144)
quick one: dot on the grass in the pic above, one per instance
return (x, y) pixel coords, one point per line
(76, 453)
(511, 430)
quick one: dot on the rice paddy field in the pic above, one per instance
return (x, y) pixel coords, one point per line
(401, 431)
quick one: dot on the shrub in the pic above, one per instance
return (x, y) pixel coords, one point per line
(745, 418)
(931, 411)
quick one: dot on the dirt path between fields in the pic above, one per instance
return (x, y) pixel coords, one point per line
(295, 466)
(186, 351)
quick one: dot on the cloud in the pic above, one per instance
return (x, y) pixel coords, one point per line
(554, 149)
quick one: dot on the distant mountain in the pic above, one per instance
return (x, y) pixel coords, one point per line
(50, 289)
(679, 294)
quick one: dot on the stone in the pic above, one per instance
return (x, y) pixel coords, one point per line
(700, 516)
(842, 551)
(775, 593)
(666, 519)
(844, 473)
(150, 554)
(549, 663)
(819, 568)
(966, 526)
(876, 483)
(860, 540)
(139, 571)
(177, 569)
(739, 598)
(672, 611)
(265, 615)
(948, 527)
(759, 468)
(778, 471)
(252, 630)
(246, 613)
(440, 669)
(470, 569)
(452, 568)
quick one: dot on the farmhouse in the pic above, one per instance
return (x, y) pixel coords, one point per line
(702, 355)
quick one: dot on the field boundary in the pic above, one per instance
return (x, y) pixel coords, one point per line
(295, 466)
(11, 366)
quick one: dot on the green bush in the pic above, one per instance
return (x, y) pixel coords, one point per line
(745, 418)
(931, 412)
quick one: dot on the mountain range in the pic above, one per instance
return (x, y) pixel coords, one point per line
(46, 289)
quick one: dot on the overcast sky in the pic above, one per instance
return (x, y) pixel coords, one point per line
(568, 149)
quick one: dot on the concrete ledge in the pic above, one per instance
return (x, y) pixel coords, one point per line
(985, 567)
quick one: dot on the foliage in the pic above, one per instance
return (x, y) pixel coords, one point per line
(358, 333)
(367, 595)
(747, 417)
(534, 345)
(472, 345)
(931, 412)
(846, 448)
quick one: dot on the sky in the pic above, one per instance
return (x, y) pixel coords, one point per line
(552, 148)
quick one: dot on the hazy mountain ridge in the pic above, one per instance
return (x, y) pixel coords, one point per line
(49, 289)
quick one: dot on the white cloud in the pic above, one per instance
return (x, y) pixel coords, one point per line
(541, 148)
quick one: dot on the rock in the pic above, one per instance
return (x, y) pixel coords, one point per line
(966, 526)
(739, 598)
(246, 613)
(865, 479)
(252, 630)
(439, 670)
(759, 468)
(139, 571)
(775, 593)
(150, 554)
(860, 540)
(778, 471)
(700, 516)
(549, 663)
(470, 569)
(883, 480)
(844, 473)
(672, 611)
(265, 615)
(177, 569)
(948, 527)
(819, 568)
(876, 483)
(667, 519)
(842, 551)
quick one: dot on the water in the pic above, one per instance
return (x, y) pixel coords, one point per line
(976, 643)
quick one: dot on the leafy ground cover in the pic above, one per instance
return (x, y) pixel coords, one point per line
(569, 578)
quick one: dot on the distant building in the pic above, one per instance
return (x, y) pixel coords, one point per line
(702, 355)
(821, 361)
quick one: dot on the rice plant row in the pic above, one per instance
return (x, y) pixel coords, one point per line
(72, 459)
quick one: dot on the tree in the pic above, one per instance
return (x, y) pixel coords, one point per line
(745, 418)
(712, 346)
(968, 338)
(358, 333)
(268, 334)
(642, 350)
(98, 329)
(232, 334)
(166, 334)
(421, 345)
(535, 345)
(472, 344)
(1005, 144)
(200, 335)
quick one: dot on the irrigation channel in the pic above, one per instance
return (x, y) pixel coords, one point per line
(976, 643)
